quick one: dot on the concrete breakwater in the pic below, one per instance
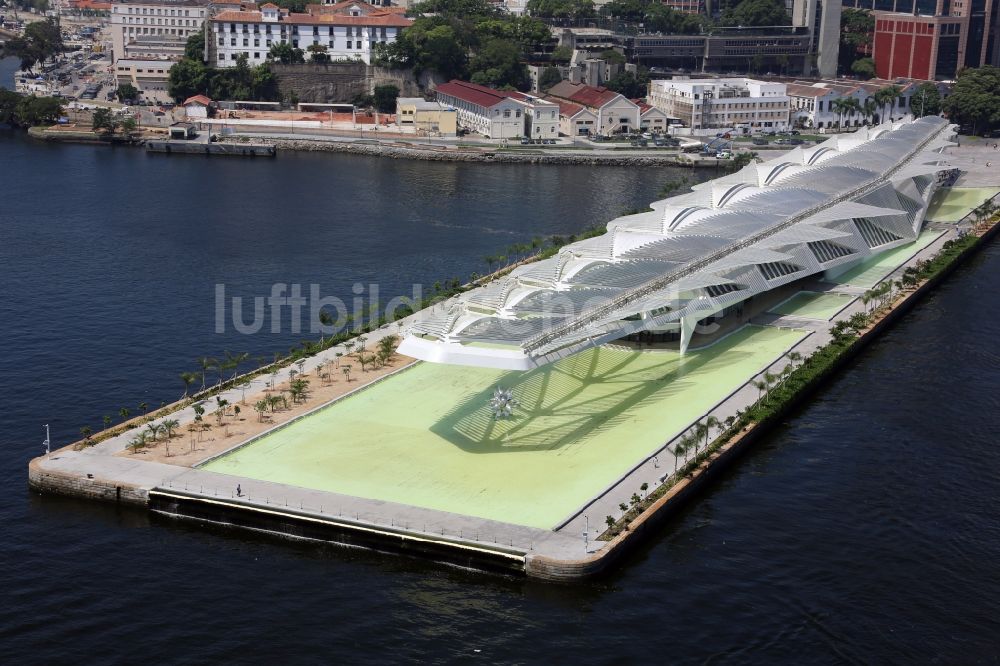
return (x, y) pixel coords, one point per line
(441, 154)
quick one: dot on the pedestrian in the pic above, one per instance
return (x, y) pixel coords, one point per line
(987, 165)
(239, 491)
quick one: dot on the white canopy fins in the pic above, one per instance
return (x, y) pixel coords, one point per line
(693, 255)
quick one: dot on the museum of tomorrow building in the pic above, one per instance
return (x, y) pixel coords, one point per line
(700, 254)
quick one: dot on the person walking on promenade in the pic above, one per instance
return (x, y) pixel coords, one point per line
(239, 491)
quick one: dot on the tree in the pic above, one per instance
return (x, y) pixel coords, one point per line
(575, 9)
(630, 84)
(41, 40)
(384, 98)
(169, 425)
(562, 54)
(857, 32)
(126, 91)
(498, 64)
(286, 54)
(318, 54)
(103, 120)
(864, 68)
(31, 111)
(926, 100)
(886, 99)
(186, 79)
(549, 77)
(975, 99)
(86, 432)
(123, 412)
(756, 13)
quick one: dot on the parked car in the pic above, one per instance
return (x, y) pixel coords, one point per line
(723, 155)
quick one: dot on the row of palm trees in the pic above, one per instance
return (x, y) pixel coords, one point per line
(881, 102)
(152, 433)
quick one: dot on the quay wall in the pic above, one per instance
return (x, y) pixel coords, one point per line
(290, 523)
(649, 521)
(87, 486)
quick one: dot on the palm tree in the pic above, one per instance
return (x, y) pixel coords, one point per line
(207, 363)
(123, 412)
(837, 106)
(169, 425)
(260, 407)
(700, 429)
(769, 379)
(154, 430)
(886, 99)
(852, 106)
(137, 442)
(761, 387)
(869, 108)
(346, 369)
(188, 378)
(325, 319)
(711, 422)
(86, 432)
(107, 421)
(143, 406)
(221, 411)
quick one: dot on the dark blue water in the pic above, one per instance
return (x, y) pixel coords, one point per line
(863, 531)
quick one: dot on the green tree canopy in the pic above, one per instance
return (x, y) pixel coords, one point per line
(857, 30)
(548, 78)
(630, 84)
(28, 110)
(926, 100)
(562, 54)
(498, 64)
(655, 16)
(186, 78)
(756, 13)
(975, 98)
(41, 40)
(575, 9)
(194, 48)
(864, 67)
(126, 91)
(286, 54)
(384, 98)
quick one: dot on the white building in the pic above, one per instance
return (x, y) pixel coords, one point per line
(346, 30)
(814, 103)
(613, 113)
(708, 104)
(500, 114)
(154, 29)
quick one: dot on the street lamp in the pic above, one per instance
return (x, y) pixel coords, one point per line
(47, 442)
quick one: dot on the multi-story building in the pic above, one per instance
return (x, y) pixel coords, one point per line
(780, 50)
(933, 39)
(148, 37)
(706, 104)
(153, 29)
(500, 114)
(347, 30)
(821, 19)
(613, 113)
(813, 104)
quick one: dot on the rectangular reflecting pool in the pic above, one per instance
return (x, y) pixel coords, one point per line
(426, 437)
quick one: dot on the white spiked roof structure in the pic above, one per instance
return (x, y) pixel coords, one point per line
(693, 255)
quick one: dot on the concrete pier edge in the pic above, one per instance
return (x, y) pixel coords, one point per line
(534, 563)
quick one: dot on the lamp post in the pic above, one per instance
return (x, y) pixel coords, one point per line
(47, 442)
(586, 533)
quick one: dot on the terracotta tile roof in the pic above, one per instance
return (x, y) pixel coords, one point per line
(269, 5)
(476, 94)
(590, 96)
(379, 20)
(197, 99)
(568, 109)
(364, 7)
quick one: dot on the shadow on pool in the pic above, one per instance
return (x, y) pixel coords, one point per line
(564, 403)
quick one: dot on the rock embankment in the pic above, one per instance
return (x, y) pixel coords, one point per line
(449, 154)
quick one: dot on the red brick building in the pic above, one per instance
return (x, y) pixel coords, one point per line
(919, 47)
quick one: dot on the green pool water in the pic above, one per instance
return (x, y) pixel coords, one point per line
(812, 305)
(869, 272)
(426, 437)
(954, 203)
